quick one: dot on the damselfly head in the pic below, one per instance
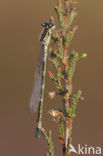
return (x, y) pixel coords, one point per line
(47, 25)
(48, 29)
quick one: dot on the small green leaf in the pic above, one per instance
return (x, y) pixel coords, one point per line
(75, 100)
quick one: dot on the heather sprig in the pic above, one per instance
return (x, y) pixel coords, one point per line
(65, 64)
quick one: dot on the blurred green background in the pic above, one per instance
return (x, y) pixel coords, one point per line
(19, 46)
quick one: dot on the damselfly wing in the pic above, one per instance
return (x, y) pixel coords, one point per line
(38, 80)
(36, 92)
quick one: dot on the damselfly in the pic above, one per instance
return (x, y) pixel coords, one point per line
(39, 82)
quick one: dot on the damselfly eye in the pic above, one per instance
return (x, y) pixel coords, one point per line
(50, 25)
(44, 24)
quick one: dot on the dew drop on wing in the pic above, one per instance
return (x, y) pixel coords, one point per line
(36, 92)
